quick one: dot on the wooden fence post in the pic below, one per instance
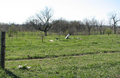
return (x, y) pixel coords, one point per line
(2, 54)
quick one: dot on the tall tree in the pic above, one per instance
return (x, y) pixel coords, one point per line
(100, 26)
(89, 23)
(42, 20)
(115, 21)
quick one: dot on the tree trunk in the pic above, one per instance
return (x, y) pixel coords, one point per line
(114, 29)
(103, 31)
(89, 31)
(45, 33)
(100, 32)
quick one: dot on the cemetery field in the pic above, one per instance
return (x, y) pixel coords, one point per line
(20, 46)
(80, 56)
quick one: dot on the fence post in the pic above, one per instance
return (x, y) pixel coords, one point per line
(2, 58)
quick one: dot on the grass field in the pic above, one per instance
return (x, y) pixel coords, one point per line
(94, 56)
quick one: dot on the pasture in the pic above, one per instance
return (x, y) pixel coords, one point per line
(93, 56)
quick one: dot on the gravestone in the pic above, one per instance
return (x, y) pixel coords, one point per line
(67, 37)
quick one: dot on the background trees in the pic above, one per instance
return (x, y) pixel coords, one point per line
(60, 25)
(43, 22)
(63, 26)
(88, 24)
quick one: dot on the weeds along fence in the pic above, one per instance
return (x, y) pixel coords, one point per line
(30, 45)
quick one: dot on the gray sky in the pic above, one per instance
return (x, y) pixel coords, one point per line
(18, 11)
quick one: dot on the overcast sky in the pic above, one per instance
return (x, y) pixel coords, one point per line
(18, 11)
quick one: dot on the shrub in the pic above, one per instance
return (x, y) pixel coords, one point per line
(108, 31)
(12, 31)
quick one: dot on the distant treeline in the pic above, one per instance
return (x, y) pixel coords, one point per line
(87, 27)
(43, 22)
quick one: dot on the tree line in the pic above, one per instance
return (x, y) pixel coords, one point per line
(43, 22)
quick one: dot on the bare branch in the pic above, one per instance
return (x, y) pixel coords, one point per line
(40, 18)
(115, 20)
(43, 20)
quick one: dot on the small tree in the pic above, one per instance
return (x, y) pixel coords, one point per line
(87, 24)
(108, 31)
(100, 26)
(42, 37)
(12, 31)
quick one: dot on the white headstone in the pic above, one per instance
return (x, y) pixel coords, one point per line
(67, 36)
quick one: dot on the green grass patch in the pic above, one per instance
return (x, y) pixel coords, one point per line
(94, 56)
(31, 44)
(94, 66)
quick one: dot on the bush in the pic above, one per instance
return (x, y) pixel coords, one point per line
(12, 31)
(108, 31)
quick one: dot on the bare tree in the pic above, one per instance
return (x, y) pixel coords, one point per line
(87, 24)
(94, 24)
(100, 26)
(42, 21)
(115, 21)
(90, 23)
